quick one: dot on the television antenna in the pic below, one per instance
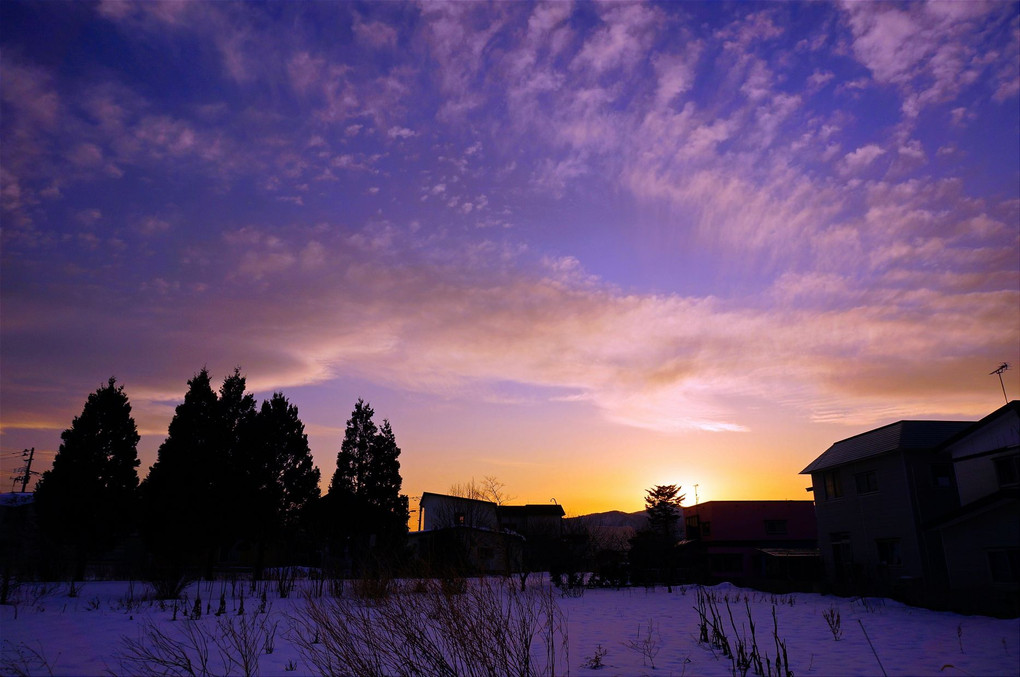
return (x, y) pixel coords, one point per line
(1002, 367)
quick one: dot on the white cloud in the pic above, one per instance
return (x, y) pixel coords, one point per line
(401, 133)
(858, 160)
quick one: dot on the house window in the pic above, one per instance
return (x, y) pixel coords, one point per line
(867, 482)
(833, 485)
(775, 527)
(842, 552)
(942, 474)
(692, 526)
(889, 552)
(1004, 565)
(706, 529)
(484, 553)
(1007, 470)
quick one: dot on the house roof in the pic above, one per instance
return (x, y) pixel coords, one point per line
(533, 509)
(458, 499)
(1011, 407)
(1007, 497)
(901, 435)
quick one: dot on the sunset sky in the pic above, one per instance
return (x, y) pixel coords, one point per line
(585, 248)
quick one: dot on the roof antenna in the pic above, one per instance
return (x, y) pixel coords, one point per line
(1002, 367)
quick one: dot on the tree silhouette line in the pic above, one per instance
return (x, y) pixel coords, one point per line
(234, 485)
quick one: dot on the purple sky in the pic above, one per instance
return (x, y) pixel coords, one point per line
(585, 247)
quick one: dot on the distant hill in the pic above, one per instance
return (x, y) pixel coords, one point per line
(614, 518)
(611, 530)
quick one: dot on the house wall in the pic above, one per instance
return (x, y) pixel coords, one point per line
(731, 534)
(866, 518)
(748, 520)
(974, 456)
(967, 544)
(440, 512)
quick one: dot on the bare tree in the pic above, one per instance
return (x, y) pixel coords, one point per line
(489, 489)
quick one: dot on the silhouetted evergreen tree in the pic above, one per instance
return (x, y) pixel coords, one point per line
(355, 457)
(662, 503)
(364, 500)
(382, 489)
(286, 479)
(654, 556)
(234, 472)
(88, 499)
(178, 495)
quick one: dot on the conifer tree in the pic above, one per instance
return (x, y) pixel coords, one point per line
(383, 488)
(364, 498)
(178, 495)
(662, 503)
(354, 460)
(87, 500)
(288, 480)
(234, 469)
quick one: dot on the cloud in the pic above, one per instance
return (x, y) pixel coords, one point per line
(858, 160)
(622, 39)
(375, 34)
(927, 50)
(400, 133)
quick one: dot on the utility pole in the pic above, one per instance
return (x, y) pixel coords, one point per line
(695, 494)
(26, 470)
(1002, 367)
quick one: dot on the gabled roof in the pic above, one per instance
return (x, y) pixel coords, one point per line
(457, 499)
(532, 509)
(902, 435)
(1011, 407)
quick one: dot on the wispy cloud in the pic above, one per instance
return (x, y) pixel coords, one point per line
(667, 215)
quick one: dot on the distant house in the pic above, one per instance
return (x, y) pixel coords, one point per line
(981, 539)
(480, 536)
(874, 495)
(758, 543)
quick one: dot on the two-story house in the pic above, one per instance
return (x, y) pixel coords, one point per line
(874, 495)
(474, 535)
(981, 540)
(757, 543)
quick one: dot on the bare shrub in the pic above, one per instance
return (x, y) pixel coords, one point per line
(21, 659)
(834, 622)
(182, 651)
(594, 662)
(286, 579)
(491, 628)
(710, 619)
(168, 585)
(233, 645)
(647, 644)
(242, 640)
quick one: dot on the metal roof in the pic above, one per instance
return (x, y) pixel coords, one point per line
(901, 435)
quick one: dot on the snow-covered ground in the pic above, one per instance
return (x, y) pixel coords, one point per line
(52, 633)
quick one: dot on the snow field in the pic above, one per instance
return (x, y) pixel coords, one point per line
(48, 632)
